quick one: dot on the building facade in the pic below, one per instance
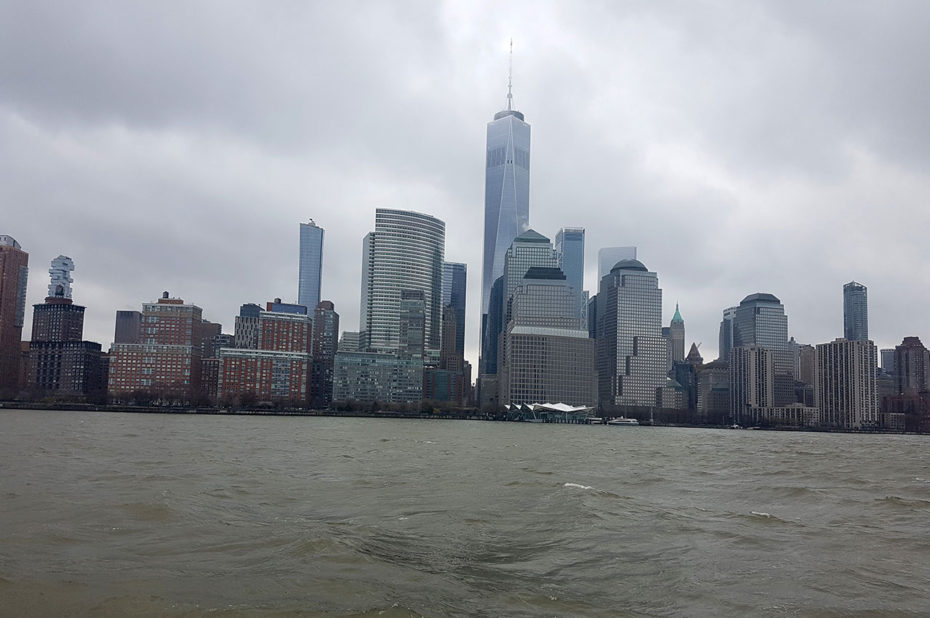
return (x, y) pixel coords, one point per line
(405, 252)
(845, 384)
(631, 353)
(128, 327)
(569, 247)
(454, 284)
(912, 366)
(855, 312)
(760, 320)
(310, 270)
(752, 381)
(14, 273)
(325, 346)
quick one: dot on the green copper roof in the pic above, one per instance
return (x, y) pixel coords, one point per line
(677, 316)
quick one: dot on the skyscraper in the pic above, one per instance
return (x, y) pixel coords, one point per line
(325, 346)
(547, 355)
(855, 312)
(311, 265)
(506, 194)
(760, 320)
(631, 353)
(14, 272)
(725, 343)
(405, 252)
(675, 336)
(527, 250)
(454, 280)
(569, 245)
(845, 384)
(911, 366)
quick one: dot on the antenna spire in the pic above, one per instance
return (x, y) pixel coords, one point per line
(510, 79)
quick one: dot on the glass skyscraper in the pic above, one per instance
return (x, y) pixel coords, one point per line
(310, 272)
(404, 253)
(760, 320)
(569, 244)
(453, 295)
(506, 195)
(855, 312)
(631, 353)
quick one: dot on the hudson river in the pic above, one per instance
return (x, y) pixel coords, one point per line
(105, 514)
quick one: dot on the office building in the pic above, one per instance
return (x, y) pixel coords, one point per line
(887, 359)
(547, 355)
(569, 247)
(310, 271)
(246, 329)
(631, 353)
(377, 377)
(14, 272)
(674, 335)
(325, 346)
(760, 320)
(405, 252)
(855, 312)
(506, 197)
(454, 282)
(725, 342)
(845, 384)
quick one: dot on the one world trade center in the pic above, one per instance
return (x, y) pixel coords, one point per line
(506, 202)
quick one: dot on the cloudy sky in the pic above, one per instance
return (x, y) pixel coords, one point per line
(742, 146)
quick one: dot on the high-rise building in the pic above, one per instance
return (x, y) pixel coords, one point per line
(631, 353)
(855, 312)
(405, 252)
(607, 258)
(167, 362)
(845, 384)
(14, 272)
(760, 320)
(547, 355)
(412, 323)
(887, 358)
(506, 195)
(912, 366)
(310, 272)
(325, 346)
(726, 334)
(752, 381)
(247, 327)
(59, 360)
(569, 246)
(674, 335)
(527, 250)
(128, 327)
(454, 281)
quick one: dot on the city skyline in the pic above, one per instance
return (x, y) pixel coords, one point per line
(721, 205)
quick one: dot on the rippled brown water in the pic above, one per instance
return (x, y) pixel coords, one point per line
(117, 514)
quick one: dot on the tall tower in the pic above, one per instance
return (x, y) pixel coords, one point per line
(310, 272)
(569, 244)
(631, 353)
(506, 193)
(676, 339)
(855, 312)
(14, 271)
(454, 279)
(760, 320)
(845, 384)
(405, 252)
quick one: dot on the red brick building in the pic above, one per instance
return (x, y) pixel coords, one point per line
(14, 271)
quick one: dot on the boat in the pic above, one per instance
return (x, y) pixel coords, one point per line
(595, 420)
(622, 420)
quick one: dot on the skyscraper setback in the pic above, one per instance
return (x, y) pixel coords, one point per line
(506, 195)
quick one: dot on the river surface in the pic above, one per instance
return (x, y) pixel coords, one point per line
(111, 514)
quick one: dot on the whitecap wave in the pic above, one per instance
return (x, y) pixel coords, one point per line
(577, 486)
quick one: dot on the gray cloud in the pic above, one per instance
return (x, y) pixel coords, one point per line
(768, 146)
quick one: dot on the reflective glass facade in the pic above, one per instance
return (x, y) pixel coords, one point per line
(855, 312)
(311, 265)
(569, 245)
(405, 252)
(454, 280)
(760, 320)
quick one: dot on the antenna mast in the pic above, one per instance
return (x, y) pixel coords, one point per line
(510, 79)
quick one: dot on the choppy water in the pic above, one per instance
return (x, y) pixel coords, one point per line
(118, 514)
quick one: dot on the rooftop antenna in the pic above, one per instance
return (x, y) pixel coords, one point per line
(510, 79)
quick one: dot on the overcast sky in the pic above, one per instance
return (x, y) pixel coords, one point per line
(779, 146)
